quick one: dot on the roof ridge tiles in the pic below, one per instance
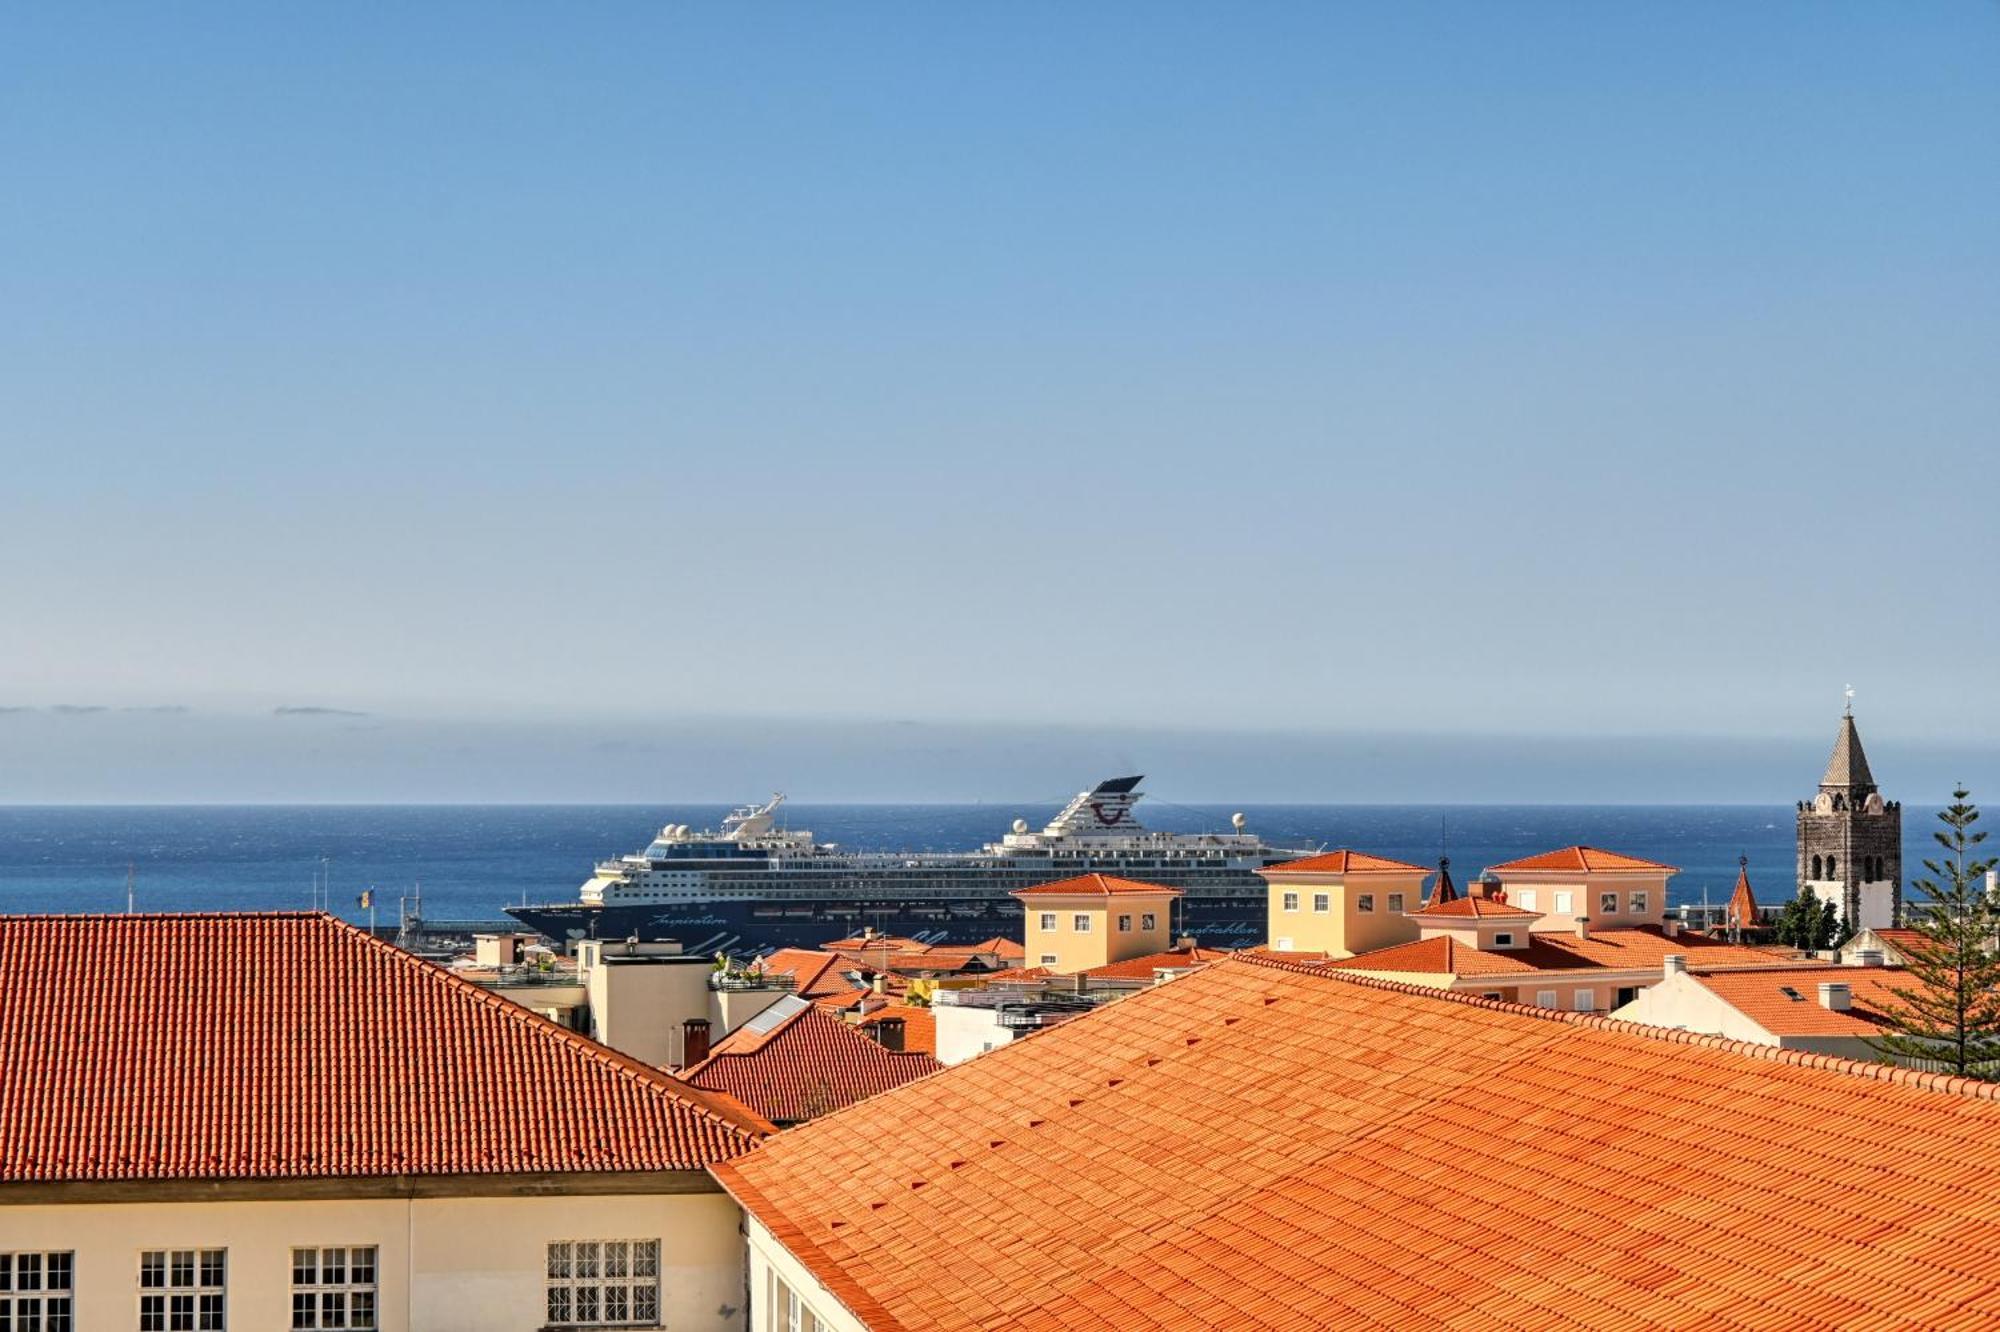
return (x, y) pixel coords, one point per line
(1950, 1084)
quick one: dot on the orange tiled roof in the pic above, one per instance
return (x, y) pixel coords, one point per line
(1761, 996)
(1264, 1146)
(1743, 902)
(1641, 948)
(1477, 908)
(919, 1025)
(1582, 860)
(1142, 968)
(282, 1044)
(806, 1065)
(1096, 885)
(814, 973)
(1344, 862)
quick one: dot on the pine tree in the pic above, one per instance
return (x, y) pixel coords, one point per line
(1806, 923)
(1951, 1013)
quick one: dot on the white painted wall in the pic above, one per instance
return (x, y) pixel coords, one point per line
(776, 1277)
(963, 1032)
(445, 1264)
(1685, 1004)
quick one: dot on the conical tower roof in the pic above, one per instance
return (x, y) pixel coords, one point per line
(1848, 768)
(1743, 902)
(1443, 892)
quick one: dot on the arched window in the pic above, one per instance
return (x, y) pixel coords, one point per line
(1816, 868)
(1832, 867)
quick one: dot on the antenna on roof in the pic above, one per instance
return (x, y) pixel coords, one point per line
(1850, 700)
(131, 873)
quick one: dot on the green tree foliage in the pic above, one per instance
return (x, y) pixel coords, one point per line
(1950, 1013)
(1808, 923)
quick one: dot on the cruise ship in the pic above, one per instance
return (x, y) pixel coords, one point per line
(753, 885)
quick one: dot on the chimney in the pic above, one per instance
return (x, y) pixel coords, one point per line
(889, 1031)
(1583, 927)
(880, 985)
(1184, 944)
(694, 1041)
(1672, 927)
(1867, 957)
(1835, 995)
(1676, 965)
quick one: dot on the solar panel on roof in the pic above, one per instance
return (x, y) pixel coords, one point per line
(789, 1006)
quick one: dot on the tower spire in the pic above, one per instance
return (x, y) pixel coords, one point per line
(1848, 770)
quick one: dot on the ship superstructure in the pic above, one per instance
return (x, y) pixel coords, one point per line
(753, 884)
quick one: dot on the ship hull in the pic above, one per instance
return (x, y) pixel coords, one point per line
(1218, 920)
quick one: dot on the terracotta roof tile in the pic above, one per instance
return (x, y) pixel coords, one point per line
(1264, 1145)
(1582, 860)
(806, 1065)
(1640, 948)
(1095, 885)
(252, 1046)
(814, 972)
(1344, 862)
(1476, 908)
(1786, 1002)
(919, 1025)
(1142, 968)
(1743, 902)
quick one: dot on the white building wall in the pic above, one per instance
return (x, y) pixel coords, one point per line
(445, 1264)
(1683, 1003)
(777, 1278)
(963, 1032)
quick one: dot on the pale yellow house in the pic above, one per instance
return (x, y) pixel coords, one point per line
(1092, 920)
(1342, 903)
(276, 1121)
(1602, 889)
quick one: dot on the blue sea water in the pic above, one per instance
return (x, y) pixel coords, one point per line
(471, 861)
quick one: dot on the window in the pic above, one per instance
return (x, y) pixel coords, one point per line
(1490, 994)
(1080, 923)
(1503, 940)
(793, 1315)
(1124, 923)
(1639, 904)
(1048, 920)
(1291, 901)
(1525, 899)
(1833, 867)
(1396, 904)
(333, 1288)
(1586, 1001)
(1564, 904)
(1364, 902)
(1322, 904)
(595, 1282)
(1048, 959)
(1545, 998)
(1626, 994)
(183, 1290)
(1607, 904)
(36, 1292)
(1818, 866)
(1147, 920)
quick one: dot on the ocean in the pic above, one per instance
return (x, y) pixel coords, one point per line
(471, 861)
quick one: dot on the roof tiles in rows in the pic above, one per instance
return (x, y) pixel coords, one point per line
(1345, 862)
(1581, 860)
(1643, 948)
(919, 1025)
(1143, 968)
(256, 1046)
(814, 973)
(1476, 908)
(809, 1064)
(1268, 1146)
(1096, 885)
(1786, 1003)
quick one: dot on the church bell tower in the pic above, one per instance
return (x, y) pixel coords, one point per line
(1851, 839)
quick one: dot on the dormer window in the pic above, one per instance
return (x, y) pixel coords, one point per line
(1503, 940)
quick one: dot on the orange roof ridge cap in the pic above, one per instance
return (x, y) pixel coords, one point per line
(636, 1070)
(1939, 1082)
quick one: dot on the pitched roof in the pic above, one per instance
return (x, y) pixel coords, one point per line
(1476, 908)
(1443, 890)
(289, 1044)
(1743, 902)
(1096, 885)
(1265, 1146)
(1582, 860)
(1848, 767)
(806, 1063)
(1641, 948)
(1142, 968)
(1344, 862)
(1786, 1003)
(919, 1025)
(814, 973)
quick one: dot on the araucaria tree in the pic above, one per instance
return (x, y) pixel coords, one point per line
(1950, 1012)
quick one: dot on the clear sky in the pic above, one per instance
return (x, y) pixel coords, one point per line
(1419, 370)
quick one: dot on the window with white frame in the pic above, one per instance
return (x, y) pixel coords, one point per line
(794, 1314)
(1124, 923)
(1048, 920)
(1291, 901)
(1396, 903)
(37, 1291)
(1639, 901)
(1545, 998)
(1525, 899)
(1080, 923)
(598, 1283)
(1565, 904)
(1586, 1001)
(334, 1288)
(1503, 939)
(1607, 904)
(1322, 904)
(183, 1290)
(1148, 921)
(1364, 903)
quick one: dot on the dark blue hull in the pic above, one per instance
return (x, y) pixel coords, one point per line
(1235, 920)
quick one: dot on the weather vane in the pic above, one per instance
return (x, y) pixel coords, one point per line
(1850, 700)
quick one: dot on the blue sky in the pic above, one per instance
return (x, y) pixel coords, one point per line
(1564, 370)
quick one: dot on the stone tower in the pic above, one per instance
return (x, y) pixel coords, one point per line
(1851, 839)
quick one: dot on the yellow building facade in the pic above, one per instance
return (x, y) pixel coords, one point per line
(1342, 903)
(1093, 920)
